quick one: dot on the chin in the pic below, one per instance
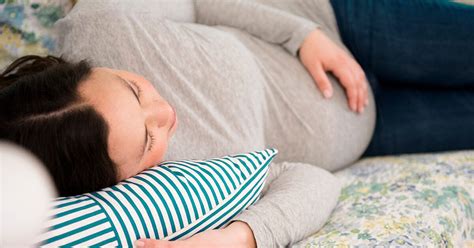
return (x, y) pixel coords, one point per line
(159, 158)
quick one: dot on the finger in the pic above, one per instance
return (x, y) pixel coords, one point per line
(154, 243)
(366, 94)
(360, 91)
(322, 80)
(146, 243)
(361, 94)
(352, 95)
(363, 81)
(359, 84)
(344, 74)
(361, 99)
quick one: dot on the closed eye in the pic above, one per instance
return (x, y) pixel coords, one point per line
(138, 89)
(138, 95)
(152, 137)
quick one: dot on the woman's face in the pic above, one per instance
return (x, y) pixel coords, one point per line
(140, 121)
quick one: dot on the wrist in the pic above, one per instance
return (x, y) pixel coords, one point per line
(243, 233)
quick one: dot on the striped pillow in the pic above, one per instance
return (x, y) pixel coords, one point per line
(174, 200)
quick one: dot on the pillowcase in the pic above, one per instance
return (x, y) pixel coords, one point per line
(171, 201)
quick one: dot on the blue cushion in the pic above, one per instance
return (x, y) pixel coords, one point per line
(171, 201)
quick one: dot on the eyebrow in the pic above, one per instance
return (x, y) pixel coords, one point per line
(127, 84)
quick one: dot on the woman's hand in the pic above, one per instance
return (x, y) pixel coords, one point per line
(319, 54)
(236, 235)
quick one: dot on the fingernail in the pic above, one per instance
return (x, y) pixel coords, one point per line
(327, 93)
(139, 243)
(366, 102)
(353, 108)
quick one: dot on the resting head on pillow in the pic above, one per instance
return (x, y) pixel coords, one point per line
(91, 126)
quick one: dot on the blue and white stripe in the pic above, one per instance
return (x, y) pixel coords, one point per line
(174, 200)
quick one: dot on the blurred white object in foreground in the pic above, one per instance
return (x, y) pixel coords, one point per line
(25, 194)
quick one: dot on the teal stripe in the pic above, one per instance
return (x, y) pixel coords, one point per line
(242, 174)
(72, 232)
(266, 152)
(217, 212)
(70, 203)
(167, 209)
(75, 210)
(250, 160)
(256, 199)
(171, 163)
(108, 219)
(252, 198)
(127, 212)
(261, 154)
(183, 170)
(219, 174)
(259, 172)
(231, 180)
(172, 198)
(231, 166)
(105, 242)
(180, 195)
(186, 188)
(157, 208)
(248, 197)
(89, 237)
(245, 165)
(77, 219)
(253, 155)
(205, 168)
(147, 209)
(203, 179)
(137, 211)
(117, 215)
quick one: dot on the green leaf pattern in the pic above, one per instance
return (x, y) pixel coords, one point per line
(27, 27)
(398, 201)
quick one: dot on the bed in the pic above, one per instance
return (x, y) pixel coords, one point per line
(410, 200)
(423, 200)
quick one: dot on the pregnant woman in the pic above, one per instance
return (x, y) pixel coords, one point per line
(72, 115)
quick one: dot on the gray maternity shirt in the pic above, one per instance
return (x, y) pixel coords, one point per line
(236, 87)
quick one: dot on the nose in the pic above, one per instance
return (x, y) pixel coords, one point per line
(159, 113)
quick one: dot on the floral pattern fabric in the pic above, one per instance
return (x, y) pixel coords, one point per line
(26, 27)
(402, 201)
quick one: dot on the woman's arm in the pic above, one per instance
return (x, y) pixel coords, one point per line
(267, 23)
(236, 235)
(296, 201)
(318, 53)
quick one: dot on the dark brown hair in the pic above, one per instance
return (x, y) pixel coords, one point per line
(41, 110)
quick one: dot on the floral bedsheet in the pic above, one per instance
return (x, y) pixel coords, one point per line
(26, 27)
(402, 201)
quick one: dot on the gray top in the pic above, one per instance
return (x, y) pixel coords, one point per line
(236, 88)
(269, 24)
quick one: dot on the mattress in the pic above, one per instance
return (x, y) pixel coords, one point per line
(411, 200)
